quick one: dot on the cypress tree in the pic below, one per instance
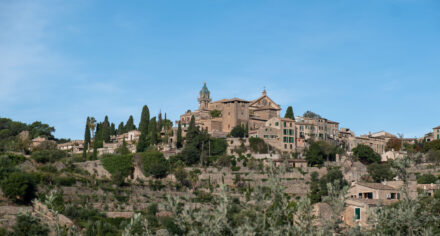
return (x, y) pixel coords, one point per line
(192, 130)
(289, 113)
(86, 137)
(129, 126)
(160, 123)
(143, 127)
(179, 141)
(145, 119)
(112, 129)
(106, 130)
(152, 129)
(121, 128)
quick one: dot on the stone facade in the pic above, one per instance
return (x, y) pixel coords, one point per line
(365, 197)
(436, 133)
(220, 117)
(349, 141)
(279, 133)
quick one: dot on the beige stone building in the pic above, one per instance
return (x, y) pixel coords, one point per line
(74, 146)
(364, 198)
(279, 133)
(220, 117)
(349, 141)
(436, 133)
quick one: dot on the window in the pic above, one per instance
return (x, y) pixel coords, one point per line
(357, 213)
(285, 146)
(276, 123)
(290, 146)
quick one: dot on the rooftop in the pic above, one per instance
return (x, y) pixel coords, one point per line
(378, 186)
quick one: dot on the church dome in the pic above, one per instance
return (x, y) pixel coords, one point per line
(204, 93)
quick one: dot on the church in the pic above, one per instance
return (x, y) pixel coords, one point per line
(220, 117)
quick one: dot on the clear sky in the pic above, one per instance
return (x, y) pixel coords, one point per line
(370, 65)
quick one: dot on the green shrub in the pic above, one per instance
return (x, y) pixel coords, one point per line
(29, 225)
(118, 163)
(65, 181)
(426, 179)
(45, 156)
(380, 172)
(258, 145)
(366, 154)
(155, 164)
(19, 187)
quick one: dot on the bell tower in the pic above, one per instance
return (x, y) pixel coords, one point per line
(205, 98)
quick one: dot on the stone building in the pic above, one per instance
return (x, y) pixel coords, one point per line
(366, 197)
(349, 141)
(74, 146)
(279, 133)
(436, 133)
(220, 117)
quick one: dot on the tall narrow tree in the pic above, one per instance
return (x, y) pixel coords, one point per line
(153, 132)
(289, 113)
(86, 137)
(192, 130)
(121, 128)
(112, 129)
(143, 127)
(129, 126)
(106, 130)
(179, 141)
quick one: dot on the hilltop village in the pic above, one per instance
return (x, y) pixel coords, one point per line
(231, 167)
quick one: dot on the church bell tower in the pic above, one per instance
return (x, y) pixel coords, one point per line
(205, 98)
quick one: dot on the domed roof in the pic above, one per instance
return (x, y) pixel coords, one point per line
(204, 93)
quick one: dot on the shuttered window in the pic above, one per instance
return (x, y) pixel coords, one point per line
(357, 213)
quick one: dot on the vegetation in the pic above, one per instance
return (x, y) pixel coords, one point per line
(155, 164)
(310, 114)
(179, 141)
(215, 113)
(48, 155)
(120, 166)
(394, 144)
(10, 130)
(321, 151)
(426, 179)
(239, 131)
(29, 225)
(19, 187)
(258, 145)
(289, 113)
(143, 127)
(366, 154)
(380, 172)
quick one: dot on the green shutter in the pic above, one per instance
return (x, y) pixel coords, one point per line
(357, 212)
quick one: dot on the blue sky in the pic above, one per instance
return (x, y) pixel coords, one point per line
(370, 65)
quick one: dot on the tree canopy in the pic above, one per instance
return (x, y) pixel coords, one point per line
(289, 113)
(366, 154)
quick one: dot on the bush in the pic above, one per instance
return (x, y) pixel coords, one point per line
(155, 164)
(258, 145)
(426, 179)
(45, 156)
(218, 146)
(380, 172)
(118, 163)
(366, 154)
(19, 187)
(29, 225)
(190, 154)
(65, 181)
(224, 161)
(238, 131)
